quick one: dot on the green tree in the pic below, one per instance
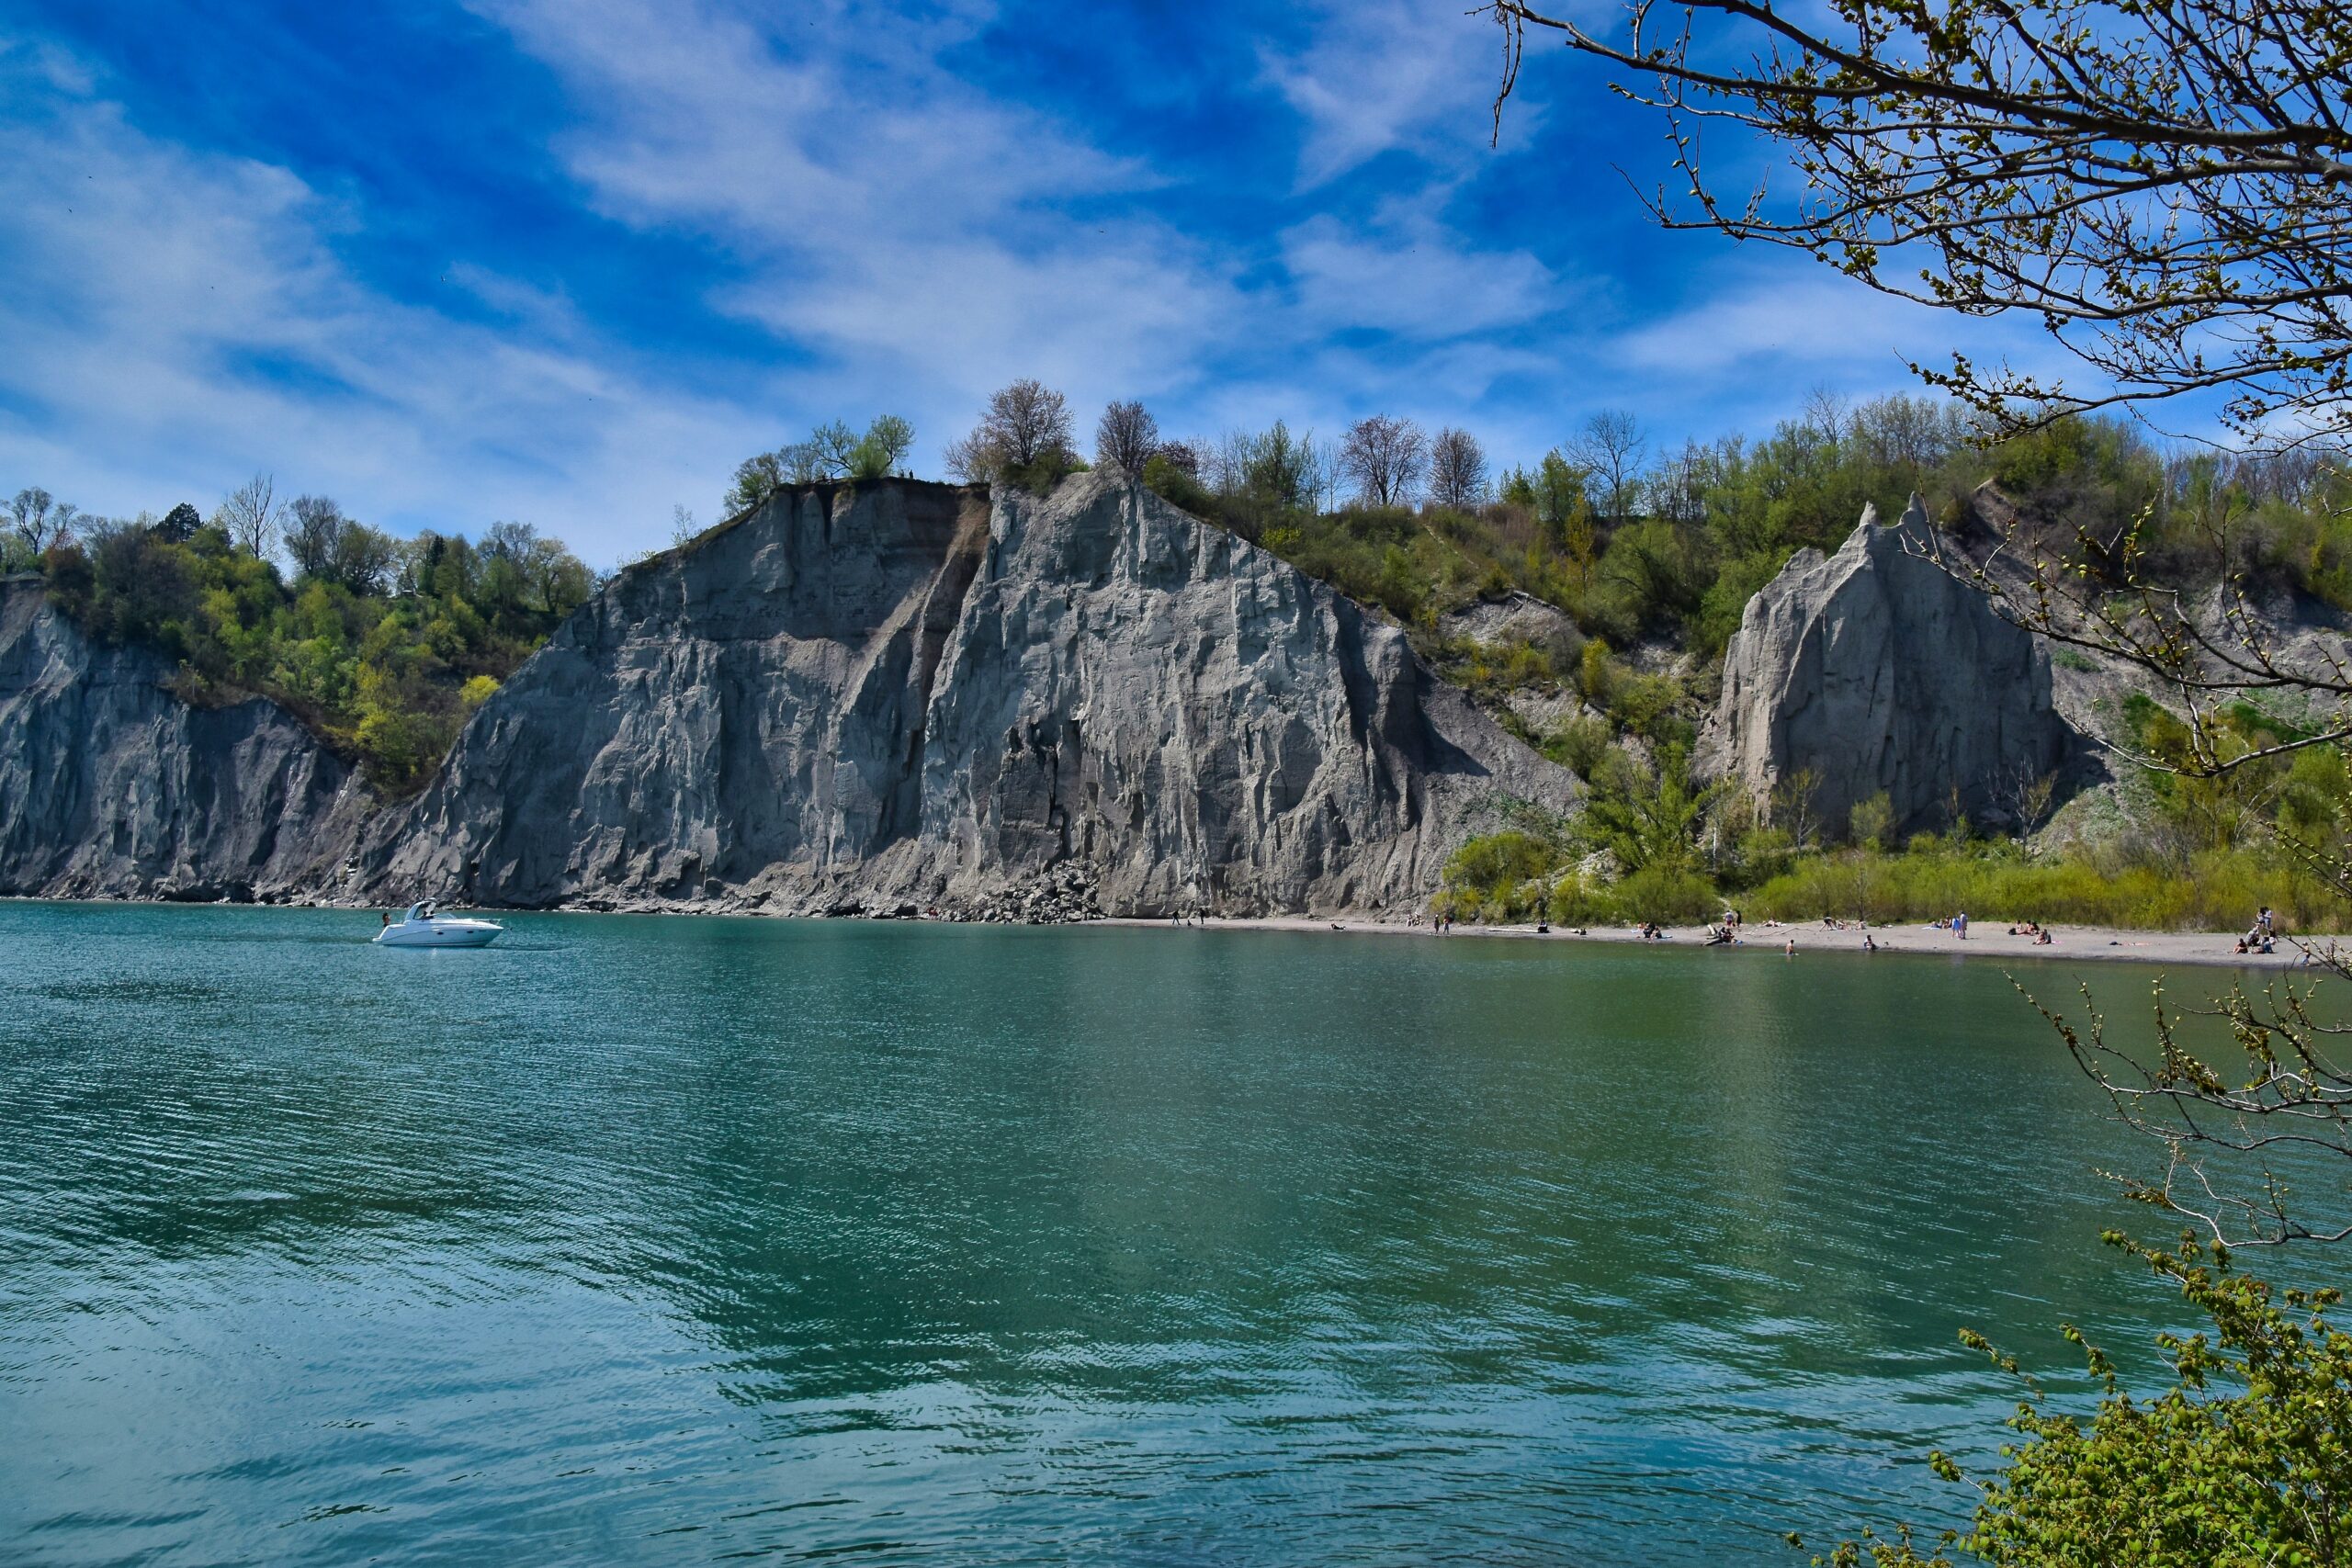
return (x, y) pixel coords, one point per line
(883, 447)
(1277, 468)
(757, 477)
(1559, 494)
(1868, 822)
(1648, 818)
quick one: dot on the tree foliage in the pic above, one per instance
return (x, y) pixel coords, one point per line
(1648, 817)
(831, 452)
(2245, 1459)
(325, 545)
(1023, 439)
(383, 645)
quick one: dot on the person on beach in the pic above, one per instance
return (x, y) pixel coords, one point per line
(1960, 925)
(1868, 945)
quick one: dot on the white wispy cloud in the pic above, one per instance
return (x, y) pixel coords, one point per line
(1766, 326)
(1375, 76)
(922, 242)
(1414, 279)
(175, 319)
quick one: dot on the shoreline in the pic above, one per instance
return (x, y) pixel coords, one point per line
(2097, 945)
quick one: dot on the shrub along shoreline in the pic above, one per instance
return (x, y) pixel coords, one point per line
(1517, 876)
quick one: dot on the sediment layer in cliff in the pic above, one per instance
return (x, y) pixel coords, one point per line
(900, 694)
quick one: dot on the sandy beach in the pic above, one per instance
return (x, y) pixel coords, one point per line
(2070, 943)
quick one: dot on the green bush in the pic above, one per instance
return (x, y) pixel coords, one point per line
(1665, 895)
(2246, 1458)
(2217, 890)
(1725, 600)
(1178, 486)
(1579, 744)
(1501, 876)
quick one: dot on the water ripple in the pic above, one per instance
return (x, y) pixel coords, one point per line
(676, 1241)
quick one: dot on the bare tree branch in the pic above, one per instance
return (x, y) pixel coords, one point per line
(2165, 185)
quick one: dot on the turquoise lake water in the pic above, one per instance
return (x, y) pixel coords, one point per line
(658, 1240)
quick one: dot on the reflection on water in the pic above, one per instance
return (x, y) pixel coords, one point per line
(666, 1240)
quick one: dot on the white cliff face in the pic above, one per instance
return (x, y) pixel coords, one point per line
(888, 695)
(110, 785)
(1195, 720)
(1878, 671)
(734, 720)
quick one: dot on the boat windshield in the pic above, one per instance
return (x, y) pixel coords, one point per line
(420, 911)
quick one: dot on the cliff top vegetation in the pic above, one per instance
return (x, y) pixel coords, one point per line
(383, 645)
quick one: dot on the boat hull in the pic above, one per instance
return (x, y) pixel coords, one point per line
(440, 933)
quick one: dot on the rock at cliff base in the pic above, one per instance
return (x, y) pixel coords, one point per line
(1875, 669)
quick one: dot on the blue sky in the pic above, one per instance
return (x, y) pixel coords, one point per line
(567, 261)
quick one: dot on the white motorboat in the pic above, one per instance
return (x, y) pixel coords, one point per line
(422, 927)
